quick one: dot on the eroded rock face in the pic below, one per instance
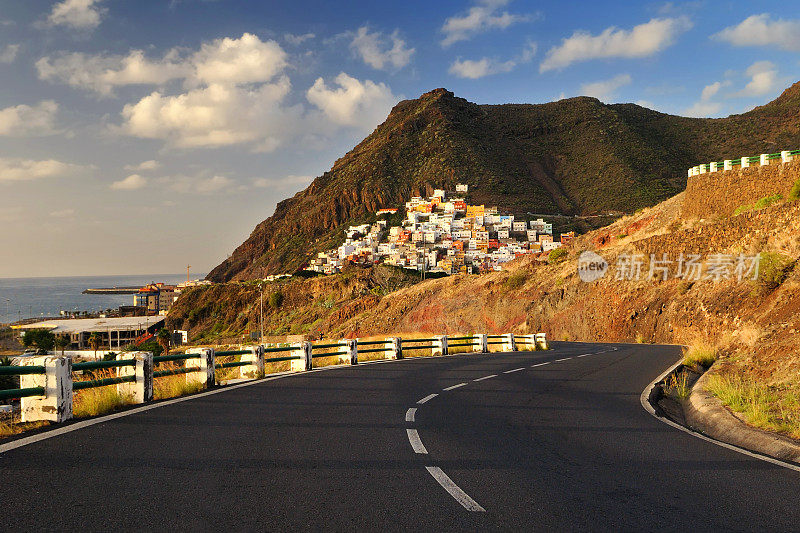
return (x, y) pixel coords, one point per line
(574, 156)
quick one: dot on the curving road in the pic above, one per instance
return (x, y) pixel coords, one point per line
(542, 440)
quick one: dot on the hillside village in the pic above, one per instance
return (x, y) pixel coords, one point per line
(442, 234)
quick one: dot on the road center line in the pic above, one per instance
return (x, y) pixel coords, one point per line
(486, 377)
(428, 397)
(410, 414)
(564, 359)
(416, 443)
(579, 356)
(514, 370)
(455, 491)
(540, 364)
(454, 386)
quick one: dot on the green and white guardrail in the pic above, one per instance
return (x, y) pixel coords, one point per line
(47, 383)
(747, 161)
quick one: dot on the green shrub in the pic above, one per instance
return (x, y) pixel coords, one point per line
(515, 280)
(794, 193)
(557, 255)
(767, 201)
(275, 299)
(773, 268)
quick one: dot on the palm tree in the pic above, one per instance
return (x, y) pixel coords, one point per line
(164, 337)
(62, 342)
(95, 341)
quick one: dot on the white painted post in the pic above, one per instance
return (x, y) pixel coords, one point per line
(303, 350)
(140, 390)
(764, 159)
(480, 341)
(439, 345)
(703, 168)
(394, 347)
(205, 363)
(786, 157)
(351, 347)
(745, 162)
(541, 341)
(56, 403)
(713, 166)
(728, 164)
(508, 343)
(256, 359)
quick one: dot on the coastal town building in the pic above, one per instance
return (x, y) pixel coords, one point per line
(442, 233)
(115, 332)
(155, 297)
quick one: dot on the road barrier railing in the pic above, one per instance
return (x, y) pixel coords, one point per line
(785, 156)
(47, 382)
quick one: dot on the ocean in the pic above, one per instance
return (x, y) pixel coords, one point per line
(46, 297)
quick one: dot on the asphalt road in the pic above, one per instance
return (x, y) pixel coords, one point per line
(561, 445)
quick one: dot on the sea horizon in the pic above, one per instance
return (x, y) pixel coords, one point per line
(47, 296)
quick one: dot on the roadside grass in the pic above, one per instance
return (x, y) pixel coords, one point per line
(639, 338)
(98, 400)
(700, 353)
(759, 204)
(173, 386)
(678, 384)
(9, 428)
(770, 407)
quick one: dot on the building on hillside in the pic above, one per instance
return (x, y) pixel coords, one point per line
(567, 238)
(155, 297)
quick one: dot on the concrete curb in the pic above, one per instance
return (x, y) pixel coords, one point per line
(705, 413)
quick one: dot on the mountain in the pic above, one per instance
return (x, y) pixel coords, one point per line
(576, 156)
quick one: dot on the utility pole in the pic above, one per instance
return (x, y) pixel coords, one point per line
(187, 272)
(261, 317)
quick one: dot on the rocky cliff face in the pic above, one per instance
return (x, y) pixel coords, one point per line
(574, 156)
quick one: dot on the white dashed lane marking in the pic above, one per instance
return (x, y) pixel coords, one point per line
(540, 364)
(514, 370)
(564, 359)
(428, 397)
(416, 442)
(454, 386)
(455, 491)
(410, 414)
(486, 377)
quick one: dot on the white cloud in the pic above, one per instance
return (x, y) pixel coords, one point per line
(297, 40)
(247, 59)
(9, 54)
(29, 121)
(102, 73)
(217, 115)
(642, 41)
(131, 183)
(705, 107)
(761, 30)
(288, 181)
(77, 14)
(763, 79)
(150, 164)
(63, 213)
(480, 18)
(353, 103)
(373, 49)
(198, 184)
(606, 89)
(474, 69)
(12, 169)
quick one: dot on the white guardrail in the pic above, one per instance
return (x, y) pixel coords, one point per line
(47, 384)
(747, 161)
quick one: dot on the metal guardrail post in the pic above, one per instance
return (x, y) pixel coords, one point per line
(508, 343)
(140, 390)
(541, 341)
(480, 341)
(394, 348)
(205, 374)
(256, 359)
(439, 345)
(351, 347)
(56, 403)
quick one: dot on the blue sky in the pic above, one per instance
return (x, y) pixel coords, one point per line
(141, 136)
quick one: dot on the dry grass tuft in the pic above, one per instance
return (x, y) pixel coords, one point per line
(770, 407)
(700, 353)
(98, 401)
(173, 386)
(9, 428)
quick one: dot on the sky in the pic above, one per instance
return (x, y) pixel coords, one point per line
(142, 136)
